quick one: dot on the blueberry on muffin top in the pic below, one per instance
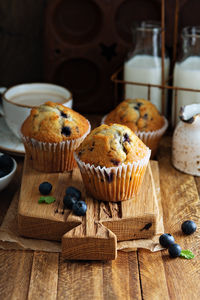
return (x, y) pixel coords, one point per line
(53, 122)
(137, 114)
(110, 146)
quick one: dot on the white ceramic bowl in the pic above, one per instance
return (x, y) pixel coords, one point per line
(4, 181)
(18, 100)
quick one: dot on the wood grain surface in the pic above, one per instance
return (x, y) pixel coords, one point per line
(44, 276)
(118, 279)
(136, 275)
(15, 270)
(161, 276)
(94, 236)
(180, 203)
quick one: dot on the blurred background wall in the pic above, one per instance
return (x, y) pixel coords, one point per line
(77, 43)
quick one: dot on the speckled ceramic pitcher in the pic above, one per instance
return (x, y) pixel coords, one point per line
(186, 141)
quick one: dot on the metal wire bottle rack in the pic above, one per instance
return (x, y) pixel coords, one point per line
(164, 84)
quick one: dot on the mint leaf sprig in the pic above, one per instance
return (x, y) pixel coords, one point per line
(186, 254)
(46, 199)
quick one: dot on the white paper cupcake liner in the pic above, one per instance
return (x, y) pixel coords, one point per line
(114, 183)
(151, 138)
(52, 157)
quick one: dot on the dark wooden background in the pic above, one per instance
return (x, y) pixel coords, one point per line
(26, 42)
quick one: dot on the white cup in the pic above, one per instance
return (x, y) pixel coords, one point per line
(18, 100)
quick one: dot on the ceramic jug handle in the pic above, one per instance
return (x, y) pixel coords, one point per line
(2, 90)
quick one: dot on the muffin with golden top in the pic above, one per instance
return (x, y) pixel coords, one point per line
(142, 117)
(112, 160)
(50, 135)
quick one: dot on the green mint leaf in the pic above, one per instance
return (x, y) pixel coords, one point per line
(46, 199)
(49, 199)
(41, 200)
(187, 254)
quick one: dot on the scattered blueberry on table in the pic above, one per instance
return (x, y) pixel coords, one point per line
(69, 201)
(73, 192)
(2, 173)
(166, 240)
(72, 200)
(188, 227)
(174, 250)
(79, 208)
(6, 165)
(45, 188)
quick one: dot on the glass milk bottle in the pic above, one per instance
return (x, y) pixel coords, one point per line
(187, 70)
(144, 64)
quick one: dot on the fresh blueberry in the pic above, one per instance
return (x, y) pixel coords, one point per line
(109, 176)
(63, 115)
(126, 138)
(145, 117)
(115, 162)
(79, 208)
(66, 131)
(188, 227)
(45, 188)
(69, 201)
(174, 250)
(166, 240)
(2, 173)
(73, 192)
(6, 163)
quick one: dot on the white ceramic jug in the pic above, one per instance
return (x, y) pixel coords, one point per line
(186, 141)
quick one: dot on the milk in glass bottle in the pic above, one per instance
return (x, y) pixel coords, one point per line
(144, 64)
(187, 70)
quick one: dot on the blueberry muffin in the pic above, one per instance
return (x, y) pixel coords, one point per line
(50, 134)
(112, 160)
(142, 117)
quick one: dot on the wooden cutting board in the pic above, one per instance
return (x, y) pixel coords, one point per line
(94, 236)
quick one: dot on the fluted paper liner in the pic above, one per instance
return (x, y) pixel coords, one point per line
(114, 183)
(52, 157)
(151, 138)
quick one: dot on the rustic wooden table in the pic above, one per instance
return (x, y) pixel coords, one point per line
(135, 275)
